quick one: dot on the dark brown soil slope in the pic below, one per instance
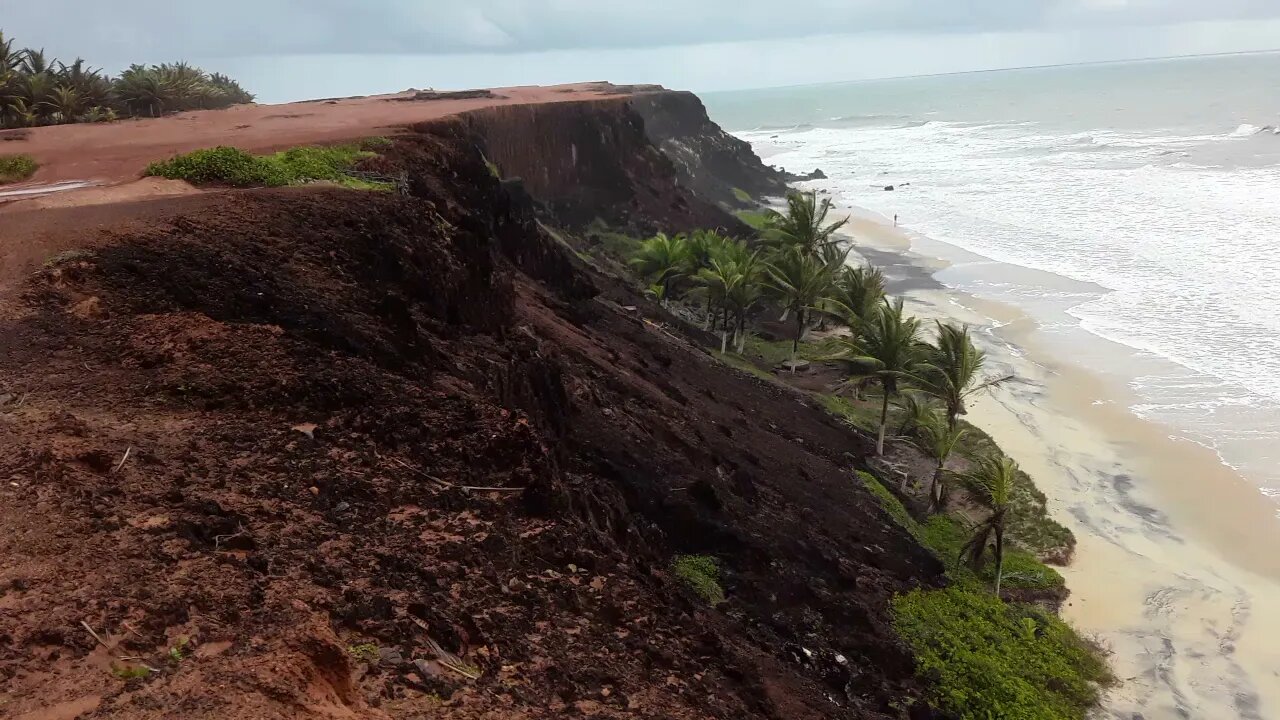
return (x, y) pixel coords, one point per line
(269, 426)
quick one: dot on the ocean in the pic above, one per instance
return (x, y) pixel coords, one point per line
(1142, 198)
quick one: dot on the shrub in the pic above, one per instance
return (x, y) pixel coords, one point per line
(237, 168)
(221, 166)
(14, 168)
(701, 574)
(988, 659)
(365, 652)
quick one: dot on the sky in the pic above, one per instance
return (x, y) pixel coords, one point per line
(296, 49)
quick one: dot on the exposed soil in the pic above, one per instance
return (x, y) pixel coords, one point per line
(119, 151)
(251, 419)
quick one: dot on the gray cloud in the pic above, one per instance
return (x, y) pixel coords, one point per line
(163, 29)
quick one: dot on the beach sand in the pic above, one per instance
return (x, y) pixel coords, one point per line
(1177, 570)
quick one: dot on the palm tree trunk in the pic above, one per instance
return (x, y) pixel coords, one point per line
(724, 339)
(999, 556)
(884, 420)
(742, 331)
(795, 344)
(936, 491)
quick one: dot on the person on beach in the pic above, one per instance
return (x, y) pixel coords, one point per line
(895, 219)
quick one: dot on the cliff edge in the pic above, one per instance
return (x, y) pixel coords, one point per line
(316, 452)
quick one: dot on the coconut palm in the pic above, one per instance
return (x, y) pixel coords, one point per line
(661, 260)
(952, 370)
(735, 287)
(62, 105)
(804, 225)
(994, 478)
(887, 348)
(800, 280)
(939, 440)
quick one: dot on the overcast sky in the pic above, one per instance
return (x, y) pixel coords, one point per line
(293, 49)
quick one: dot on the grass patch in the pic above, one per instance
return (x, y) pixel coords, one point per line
(892, 505)
(374, 144)
(988, 659)
(757, 219)
(237, 168)
(743, 364)
(701, 574)
(774, 352)
(861, 415)
(15, 168)
(742, 196)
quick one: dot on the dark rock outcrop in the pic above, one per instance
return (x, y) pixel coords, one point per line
(708, 160)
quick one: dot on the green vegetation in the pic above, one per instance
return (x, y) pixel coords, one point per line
(983, 657)
(237, 168)
(946, 536)
(759, 220)
(37, 90)
(16, 168)
(773, 352)
(67, 256)
(376, 143)
(701, 574)
(365, 652)
(886, 347)
(179, 651)
(801, 281)
(742, 196)
(129, 672)
(988, 659)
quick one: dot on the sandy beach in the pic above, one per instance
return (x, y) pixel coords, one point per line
(1176, 569)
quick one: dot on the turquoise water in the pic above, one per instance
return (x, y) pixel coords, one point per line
(1155, 182)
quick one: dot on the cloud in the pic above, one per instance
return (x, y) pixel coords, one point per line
(163, 29)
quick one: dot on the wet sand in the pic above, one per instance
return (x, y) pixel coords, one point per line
(1177, 570)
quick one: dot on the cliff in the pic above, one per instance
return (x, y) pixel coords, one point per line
(316, 452)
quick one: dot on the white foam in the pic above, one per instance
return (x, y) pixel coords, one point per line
(1186, 254)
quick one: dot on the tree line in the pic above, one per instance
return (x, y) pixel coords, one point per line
(800, 265)
(38, 90)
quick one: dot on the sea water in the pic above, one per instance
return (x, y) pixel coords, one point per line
(1149, 191)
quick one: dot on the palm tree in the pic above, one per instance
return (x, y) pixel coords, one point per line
(800, 281)
(887, 348)
(994, 478)
(662, 259)
(939, 440)
(951, 371)
(803, 225)
(63, 105)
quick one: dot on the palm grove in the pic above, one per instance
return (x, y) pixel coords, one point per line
(37, 90)
(799, 266)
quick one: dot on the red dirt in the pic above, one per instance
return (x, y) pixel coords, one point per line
(118, 152)
(244, 419)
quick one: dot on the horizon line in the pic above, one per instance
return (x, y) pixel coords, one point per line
(1048, 66)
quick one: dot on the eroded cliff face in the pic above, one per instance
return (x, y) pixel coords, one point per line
(707, 160)
(365, 430)
(650, 161)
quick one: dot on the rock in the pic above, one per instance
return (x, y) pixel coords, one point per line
(390, 657)
(888, 188)
(817, 174)
(795, 365)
